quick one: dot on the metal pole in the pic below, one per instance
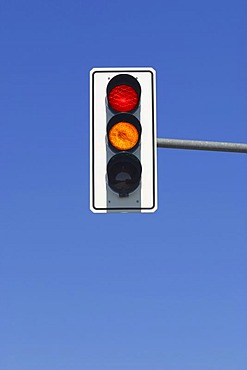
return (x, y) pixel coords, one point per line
(202, 145)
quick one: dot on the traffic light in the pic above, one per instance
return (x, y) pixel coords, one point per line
(123, 175)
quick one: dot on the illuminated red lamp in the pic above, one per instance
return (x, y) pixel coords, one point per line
(123, 93)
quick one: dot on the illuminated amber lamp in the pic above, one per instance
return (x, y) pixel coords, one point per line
(124, 132)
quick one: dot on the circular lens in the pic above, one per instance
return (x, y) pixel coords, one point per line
(124, 132)
(123, 136)
(123, 98)
(124, 173)
(123, 93)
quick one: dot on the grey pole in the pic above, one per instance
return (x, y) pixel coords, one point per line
(202, 145)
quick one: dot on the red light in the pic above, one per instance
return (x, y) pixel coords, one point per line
(123, 98)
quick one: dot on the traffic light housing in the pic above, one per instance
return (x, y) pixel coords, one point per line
(123, 175)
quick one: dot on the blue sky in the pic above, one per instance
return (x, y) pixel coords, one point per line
(126, 291)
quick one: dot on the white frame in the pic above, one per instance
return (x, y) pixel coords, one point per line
(99, 78)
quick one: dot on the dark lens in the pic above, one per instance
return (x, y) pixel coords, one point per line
(124, 173)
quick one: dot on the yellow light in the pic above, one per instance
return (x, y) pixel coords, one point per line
(123, 136)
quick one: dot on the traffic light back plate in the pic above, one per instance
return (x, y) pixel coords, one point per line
(144, 199)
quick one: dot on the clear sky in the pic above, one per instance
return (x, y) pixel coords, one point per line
(81, 291)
